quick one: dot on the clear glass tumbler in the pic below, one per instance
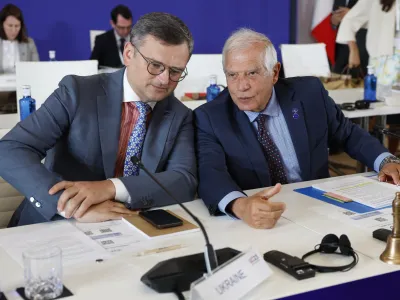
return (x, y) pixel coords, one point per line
(43, 272)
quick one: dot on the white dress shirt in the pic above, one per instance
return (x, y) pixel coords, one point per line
(10, 55)
(381, 27)
(121, 193)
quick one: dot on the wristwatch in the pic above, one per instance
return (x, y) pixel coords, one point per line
(389, 159)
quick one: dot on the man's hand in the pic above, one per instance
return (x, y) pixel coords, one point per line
(338, 15)
(258, 211)
(81, 195)
(390, 171)
(354, 55)
(108, 210)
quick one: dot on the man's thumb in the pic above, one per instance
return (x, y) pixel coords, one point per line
(269, 192)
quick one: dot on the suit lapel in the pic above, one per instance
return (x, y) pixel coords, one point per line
(115, 47)
(293, 112)
(247, 136)
(109, 119)
(23, 49)
(156, 135)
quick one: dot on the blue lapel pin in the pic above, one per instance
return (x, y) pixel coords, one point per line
(295, 113)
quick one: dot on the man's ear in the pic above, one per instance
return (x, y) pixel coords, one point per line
(276, 71)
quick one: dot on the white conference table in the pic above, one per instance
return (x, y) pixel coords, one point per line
(296, 233)
(8, 83)
(339, 96)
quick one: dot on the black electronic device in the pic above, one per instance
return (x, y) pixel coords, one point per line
(160, 218)
(359, 104)
(292, 265)
(381, 234)
(175, 275)
(329, 244)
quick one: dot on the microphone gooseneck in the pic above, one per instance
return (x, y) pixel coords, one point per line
(210, 256)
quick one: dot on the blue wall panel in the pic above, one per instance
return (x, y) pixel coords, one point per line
(63, 25)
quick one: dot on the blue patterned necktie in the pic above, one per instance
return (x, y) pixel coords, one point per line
(136, 140)
(271, 152)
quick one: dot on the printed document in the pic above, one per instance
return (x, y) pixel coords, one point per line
(114, 236)
(75, 246)
(363, 190)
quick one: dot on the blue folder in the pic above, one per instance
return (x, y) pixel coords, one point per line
(353, 206)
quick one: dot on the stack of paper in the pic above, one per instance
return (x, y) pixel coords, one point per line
(361, 189)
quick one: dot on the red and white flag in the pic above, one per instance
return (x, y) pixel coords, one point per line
(321, 28)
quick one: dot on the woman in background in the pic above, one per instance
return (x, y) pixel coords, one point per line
(379, 17)
(15, 45)
(376, 15)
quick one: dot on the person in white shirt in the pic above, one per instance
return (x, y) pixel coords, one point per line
(376, 15)
(15, 45)
(379, 16)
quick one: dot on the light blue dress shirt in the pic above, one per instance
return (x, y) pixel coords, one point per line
(279, 132)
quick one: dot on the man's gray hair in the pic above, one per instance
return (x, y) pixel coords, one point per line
(245, 38)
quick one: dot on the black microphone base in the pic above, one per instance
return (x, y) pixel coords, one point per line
(176, 274)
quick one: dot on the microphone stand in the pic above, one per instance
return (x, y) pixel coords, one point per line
(209, 253)
(390, 133)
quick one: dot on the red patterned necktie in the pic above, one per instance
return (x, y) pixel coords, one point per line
(271, 152)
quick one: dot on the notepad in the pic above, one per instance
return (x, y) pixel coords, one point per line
(150, 231)
(361, 189)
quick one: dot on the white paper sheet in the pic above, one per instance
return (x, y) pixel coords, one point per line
(363, 190)
(113, 236)
(76, 247)
(366, 221)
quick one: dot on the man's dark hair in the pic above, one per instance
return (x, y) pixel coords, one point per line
(387, 5)
(122, 10)
(163, 26)
(12, 10)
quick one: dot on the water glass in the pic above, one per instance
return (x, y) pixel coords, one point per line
(43, 273)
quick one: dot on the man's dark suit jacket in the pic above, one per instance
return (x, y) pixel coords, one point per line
(230, 157)
(106, 50)
(77, 129)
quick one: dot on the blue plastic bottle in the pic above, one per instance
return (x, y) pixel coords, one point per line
(213, 89)
(27, 104)
(370, 85)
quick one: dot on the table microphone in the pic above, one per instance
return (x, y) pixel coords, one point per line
(390, 133)
(209, 253)
(183, 267)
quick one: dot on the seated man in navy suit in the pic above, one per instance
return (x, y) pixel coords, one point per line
(263, 131)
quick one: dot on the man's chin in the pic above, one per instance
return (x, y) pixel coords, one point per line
(155, 97)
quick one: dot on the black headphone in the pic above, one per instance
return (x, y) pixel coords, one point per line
(329, 244)
(359, 104)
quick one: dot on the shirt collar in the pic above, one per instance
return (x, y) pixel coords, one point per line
(271, 110)
(117, 36)
(129, 93)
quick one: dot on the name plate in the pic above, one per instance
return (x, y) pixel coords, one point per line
(234, 279)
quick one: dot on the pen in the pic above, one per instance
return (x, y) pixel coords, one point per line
(159, 250)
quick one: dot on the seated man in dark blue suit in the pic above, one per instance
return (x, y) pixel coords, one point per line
(264, 131)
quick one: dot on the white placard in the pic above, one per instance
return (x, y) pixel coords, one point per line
(305, 60)
(234, 279)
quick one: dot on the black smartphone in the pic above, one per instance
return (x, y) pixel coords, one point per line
(160, 218)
